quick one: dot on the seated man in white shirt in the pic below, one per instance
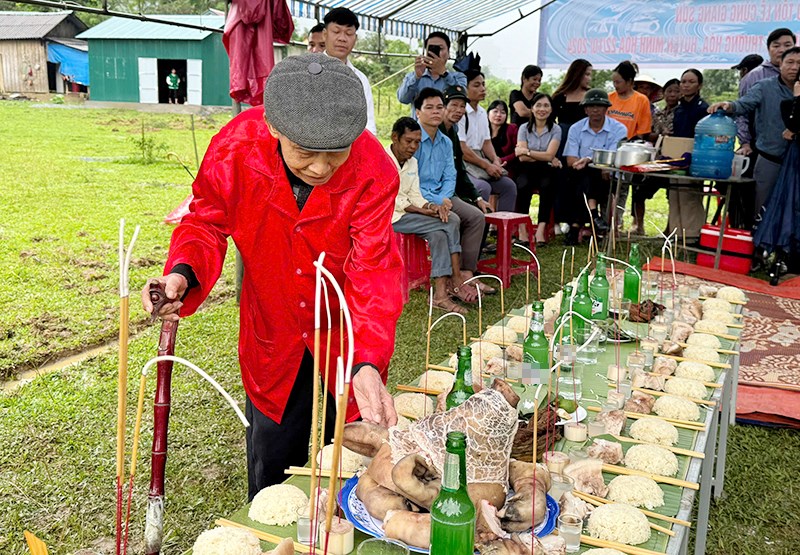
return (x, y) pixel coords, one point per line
(483, 165)
(434, 223)
(340, 38)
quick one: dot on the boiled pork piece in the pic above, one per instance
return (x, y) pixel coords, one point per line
(573, 505)
(529, 503)
(640, 402)
(649, 381)
(610, 452)
(410, 528)
(614, 421)
(669, 347)
(514, 352)
(696, 308)
(588, 476)
(664, 366)
(686, 316)
(708, 290)
(680, 332)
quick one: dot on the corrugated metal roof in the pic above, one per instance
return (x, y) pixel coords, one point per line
(130, 29)
(413, 18)
(77, 44)
(30, 25)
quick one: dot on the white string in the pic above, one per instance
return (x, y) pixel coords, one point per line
(347, 320)
(205, 376)
(318, 292)
(128, 255)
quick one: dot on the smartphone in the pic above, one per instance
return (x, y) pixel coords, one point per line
(434, 49)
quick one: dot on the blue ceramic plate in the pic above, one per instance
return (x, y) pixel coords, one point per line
(356, 512)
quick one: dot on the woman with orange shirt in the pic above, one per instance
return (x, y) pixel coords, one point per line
(631, 109)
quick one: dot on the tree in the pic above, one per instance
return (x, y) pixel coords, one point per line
(720, 84)
(601, 79)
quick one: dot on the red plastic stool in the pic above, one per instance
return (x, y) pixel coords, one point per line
(416, 262)
(503, 265)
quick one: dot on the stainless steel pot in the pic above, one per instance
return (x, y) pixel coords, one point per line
(603, 157)
(630, 154)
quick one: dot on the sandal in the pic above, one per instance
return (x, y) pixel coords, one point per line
(449, 306)
(466, 293)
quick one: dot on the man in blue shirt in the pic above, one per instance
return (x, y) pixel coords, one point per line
(430, 70)
(596, 131)
(437, 183)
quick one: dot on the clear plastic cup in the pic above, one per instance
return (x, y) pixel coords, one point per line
(570, 527)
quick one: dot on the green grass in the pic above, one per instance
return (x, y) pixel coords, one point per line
(58, 266)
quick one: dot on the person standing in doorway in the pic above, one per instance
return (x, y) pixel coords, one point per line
(173, 84)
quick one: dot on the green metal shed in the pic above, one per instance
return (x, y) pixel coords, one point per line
(129, 60)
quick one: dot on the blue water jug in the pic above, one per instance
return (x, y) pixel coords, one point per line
(714, 139)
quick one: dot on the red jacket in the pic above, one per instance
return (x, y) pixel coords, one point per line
(242, 191)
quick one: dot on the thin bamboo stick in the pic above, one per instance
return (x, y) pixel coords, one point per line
(720, 351)
(732, 302)
(337, 453)
(499, 343)
(676, 450)
(305, 471)
(415, 389)
(596, 501)
(707, 384)
(629, 549)
(315, 409)
(614, 469)
(662, 393)
(694, 426)
(681, 359)
(409, 415)
(260, 534)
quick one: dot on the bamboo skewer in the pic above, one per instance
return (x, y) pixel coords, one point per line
(599, 500)
(676, 450)
(614, 469)
(629, 549)
(596, 501)
(415, 389)
(662, 393)
(742, 303)
(707, 384)
(260, 534)
(720, 351)
(305, 471)
(681, 359)
(694, 426)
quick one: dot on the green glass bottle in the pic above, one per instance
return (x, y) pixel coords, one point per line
(565, 297)
(462, 385)
(631, 286)
(452, 513)
(536, 348)
(598, 290)
(582, 303)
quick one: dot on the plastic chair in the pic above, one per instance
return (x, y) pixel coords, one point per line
(503, 264)
(416, 262)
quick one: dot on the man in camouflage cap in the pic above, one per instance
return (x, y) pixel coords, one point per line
(287, 182)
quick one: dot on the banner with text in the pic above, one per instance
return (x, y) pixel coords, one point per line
(662, 33)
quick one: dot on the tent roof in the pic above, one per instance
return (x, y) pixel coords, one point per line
(131, 29)
(32, 25)
(413, 18)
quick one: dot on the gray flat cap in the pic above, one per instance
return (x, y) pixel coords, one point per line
(316, 101)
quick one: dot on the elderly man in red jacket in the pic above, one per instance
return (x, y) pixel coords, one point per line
(288, 182)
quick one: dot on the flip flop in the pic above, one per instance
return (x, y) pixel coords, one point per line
(449, 306)
(466, 293)
(486, 290)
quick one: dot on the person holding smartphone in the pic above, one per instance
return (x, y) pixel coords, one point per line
(430, 70)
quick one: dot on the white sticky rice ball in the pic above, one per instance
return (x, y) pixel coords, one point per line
(277, 505)
(652, 459)
(704, 340)
(619, 523)
(703, 354)
(711, 326)
(638, 491)
(226, 541)
(501, 334)
(726, 318)
(717, 304)
(417, 405)
(552, 307)
(486, 350)
(695, 371)
(437, 380)
(403, 423)
(654, 430)
(731, 294)
(678, 408)
(603, 551)
(519, 324)
(685, 387)
(351, 462)
(476, 364)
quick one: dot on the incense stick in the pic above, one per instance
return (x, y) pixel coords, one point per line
(563, 259)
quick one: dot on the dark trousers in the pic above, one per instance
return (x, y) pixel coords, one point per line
(588, 181)
(272, 447)
(535, 176)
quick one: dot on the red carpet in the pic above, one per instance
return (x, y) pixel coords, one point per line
(769, 365)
